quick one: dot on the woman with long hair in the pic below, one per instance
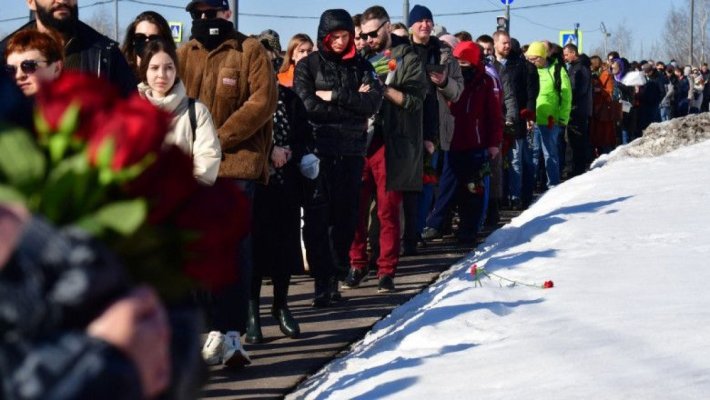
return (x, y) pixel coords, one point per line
(195, 134)
(298, 48)
(147, 26)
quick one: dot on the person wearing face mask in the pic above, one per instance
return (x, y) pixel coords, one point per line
(477, 136)
(84, 48)
(231, 74)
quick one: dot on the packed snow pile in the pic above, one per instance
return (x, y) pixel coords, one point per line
(661, 138)
(627, 247)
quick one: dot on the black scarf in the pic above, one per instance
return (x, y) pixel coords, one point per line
(212, 32)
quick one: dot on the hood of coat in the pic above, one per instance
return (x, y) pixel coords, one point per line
(331, 21)
(169, 103)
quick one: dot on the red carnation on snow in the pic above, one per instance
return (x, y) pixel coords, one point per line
(548, 285)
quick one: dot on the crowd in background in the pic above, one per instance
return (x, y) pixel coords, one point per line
(365, 144)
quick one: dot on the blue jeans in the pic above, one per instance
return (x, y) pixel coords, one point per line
(665, 113)
(549, 138)
(523, 168)
(447, 191)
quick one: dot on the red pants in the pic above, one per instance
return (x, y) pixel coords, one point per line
(374, 178)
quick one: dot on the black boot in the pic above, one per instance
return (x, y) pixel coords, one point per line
(322, 293)
(280, 311)
(253, 333)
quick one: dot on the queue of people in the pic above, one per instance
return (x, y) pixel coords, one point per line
(374, 132)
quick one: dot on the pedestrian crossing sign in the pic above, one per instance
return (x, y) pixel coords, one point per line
(176, 29)
(567, 37)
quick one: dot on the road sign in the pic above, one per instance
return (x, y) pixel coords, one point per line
(506, 2)
(567, 37)
(176, 29)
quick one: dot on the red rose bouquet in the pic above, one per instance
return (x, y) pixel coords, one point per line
(98, 161)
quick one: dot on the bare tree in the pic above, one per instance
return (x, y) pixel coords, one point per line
(622, 40)
(102, 21)
(675, 38)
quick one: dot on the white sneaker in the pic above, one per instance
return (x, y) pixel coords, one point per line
(233, 354)
(213, 348)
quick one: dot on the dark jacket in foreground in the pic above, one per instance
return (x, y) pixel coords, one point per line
(401, 126)
(340, 124)
(92, 52)
(54, 284)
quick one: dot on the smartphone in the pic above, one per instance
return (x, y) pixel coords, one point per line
(439, 69)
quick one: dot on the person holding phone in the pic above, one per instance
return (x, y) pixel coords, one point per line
(445, 86)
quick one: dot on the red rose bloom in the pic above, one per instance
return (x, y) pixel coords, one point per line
(137, 129)
(93, 95)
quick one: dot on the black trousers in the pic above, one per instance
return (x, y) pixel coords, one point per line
(330, 212)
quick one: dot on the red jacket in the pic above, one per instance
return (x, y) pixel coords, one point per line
(478, 116)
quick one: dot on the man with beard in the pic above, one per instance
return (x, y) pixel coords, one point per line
(394, 160)
(232, 74)
(84, 48)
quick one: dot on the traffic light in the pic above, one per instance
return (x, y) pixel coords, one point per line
(502, 24)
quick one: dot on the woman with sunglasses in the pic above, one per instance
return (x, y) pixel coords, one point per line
(147, 26)
(160, 85)
(33, 58)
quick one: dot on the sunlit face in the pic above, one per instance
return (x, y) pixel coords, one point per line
(502, 46)
(379, 29)
(161, 74)
(537, 61)
(301, 51)
(487, 48)
(359, 41)
(36, 70)
(421, 30)
(148, 29)
(339, 41)
(569, 55)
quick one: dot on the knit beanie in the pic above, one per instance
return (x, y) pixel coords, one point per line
(451, 40)
(537, 49)
(419, 13)
(468, 51)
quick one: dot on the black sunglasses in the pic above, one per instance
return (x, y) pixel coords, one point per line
(142, 37)
(27, 66)
(209, 14)
(372, 34)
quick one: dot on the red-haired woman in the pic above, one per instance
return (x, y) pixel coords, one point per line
(32, 59)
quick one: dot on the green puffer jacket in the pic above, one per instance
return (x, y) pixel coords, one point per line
(549, 102)
(401, 126)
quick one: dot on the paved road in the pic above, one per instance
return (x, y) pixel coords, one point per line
(280, 364)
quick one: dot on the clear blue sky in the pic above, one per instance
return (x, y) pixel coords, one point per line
(644, 18)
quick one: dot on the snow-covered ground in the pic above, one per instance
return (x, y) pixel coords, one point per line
(628, 248)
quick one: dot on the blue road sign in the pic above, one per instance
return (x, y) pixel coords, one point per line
(506, 2)
(567, 37)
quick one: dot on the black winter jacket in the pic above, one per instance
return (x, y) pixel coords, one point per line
(90, 51)
(580, 77)
(339, 125)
